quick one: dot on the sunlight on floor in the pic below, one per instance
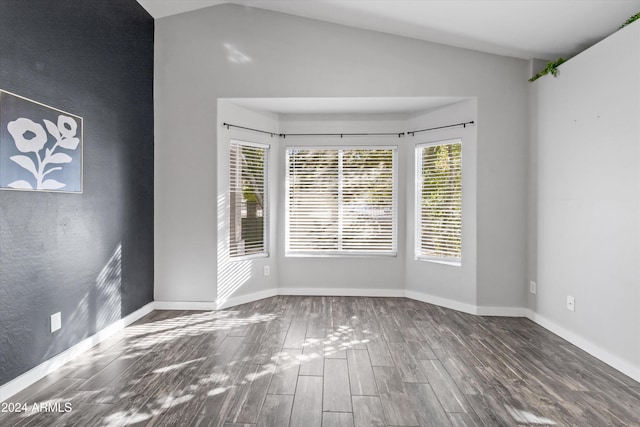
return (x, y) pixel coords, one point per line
(149, 334)
(177, 366)
(219, 365)
(217, 381)
(524, 417)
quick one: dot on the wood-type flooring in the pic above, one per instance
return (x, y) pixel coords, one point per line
(331, 362)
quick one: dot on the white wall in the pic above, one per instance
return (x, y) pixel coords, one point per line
(588, 193)
(456, 283)
(232, 51)
(236, 277)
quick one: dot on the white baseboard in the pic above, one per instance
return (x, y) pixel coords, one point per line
(342, 292)
(243, 299)
(362, 292)
(586, 345)
(185, 305)
(45, 368)
(442, 302)
(465, 307)
(501, 311)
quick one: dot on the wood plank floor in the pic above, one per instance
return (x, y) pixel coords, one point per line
(333, 361)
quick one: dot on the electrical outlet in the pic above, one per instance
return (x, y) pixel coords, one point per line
(266, 270)
(56, 322)
(571, 303)
(533, 287)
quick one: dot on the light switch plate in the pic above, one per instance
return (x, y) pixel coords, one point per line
(571, 303)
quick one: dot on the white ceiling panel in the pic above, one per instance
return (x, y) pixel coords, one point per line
(525, 29)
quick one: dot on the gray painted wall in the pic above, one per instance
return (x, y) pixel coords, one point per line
(242, 277)
(455, 283)
(587, 177)
(231, 51)
(88, 256)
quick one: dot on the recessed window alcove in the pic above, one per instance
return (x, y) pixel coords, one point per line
(356, 235)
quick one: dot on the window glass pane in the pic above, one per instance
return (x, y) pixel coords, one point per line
(341, 200)
(367, 202)
(313, 200)
(440, 207)
(248, 198)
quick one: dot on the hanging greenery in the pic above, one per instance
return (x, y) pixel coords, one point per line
(630, 20)
(551, 68)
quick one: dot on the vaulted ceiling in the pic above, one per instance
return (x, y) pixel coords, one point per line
(544, 29)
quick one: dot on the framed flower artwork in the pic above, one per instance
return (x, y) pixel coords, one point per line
(40, 146)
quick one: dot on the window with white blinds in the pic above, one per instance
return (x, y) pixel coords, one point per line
(439, 201)
(248, 196)
(341, 200)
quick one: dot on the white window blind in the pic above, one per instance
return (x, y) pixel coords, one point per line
(248, 199)
(341, 200)
(439, 201)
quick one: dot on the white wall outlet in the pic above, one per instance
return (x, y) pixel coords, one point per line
(571, 303)
(56, 322)
(266, 270)
(533, 287)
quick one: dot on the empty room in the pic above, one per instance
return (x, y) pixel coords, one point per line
(320, 213)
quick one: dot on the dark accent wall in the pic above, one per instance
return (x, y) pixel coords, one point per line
(90, 255)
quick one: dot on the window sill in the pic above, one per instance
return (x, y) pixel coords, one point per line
(249, 257)
(341, 255)
(453, 263)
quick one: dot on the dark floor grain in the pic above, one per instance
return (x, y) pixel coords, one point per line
(331, 361)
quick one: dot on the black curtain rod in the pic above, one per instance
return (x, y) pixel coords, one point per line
(272, 134)
(464, 124)
(399, 134)
(284, 135)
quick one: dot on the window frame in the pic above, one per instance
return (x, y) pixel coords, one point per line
(341, 252)
(457, 261)
(265, 253)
